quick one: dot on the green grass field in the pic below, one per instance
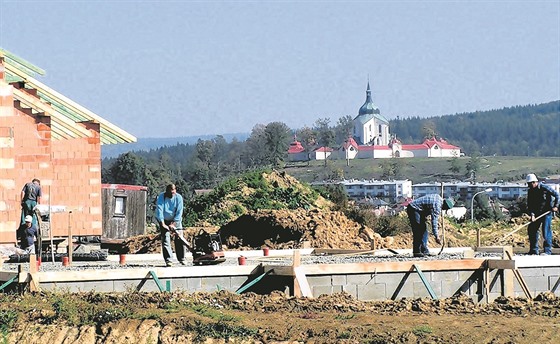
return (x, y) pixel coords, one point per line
(421, 170)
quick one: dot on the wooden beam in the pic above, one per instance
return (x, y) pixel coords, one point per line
(296, 262)
(507, 264)
(7, 275)
(34, 282)
(508, 254)
(70, 127)
(508, 287)
(32, 263)
(113, 133)
(303, 284)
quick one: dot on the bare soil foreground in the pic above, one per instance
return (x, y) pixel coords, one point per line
(223, 317)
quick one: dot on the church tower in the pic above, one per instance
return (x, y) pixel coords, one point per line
(370, 127)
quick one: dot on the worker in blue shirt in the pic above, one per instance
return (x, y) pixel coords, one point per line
(417, 211)
(541, 199)
(169, 214)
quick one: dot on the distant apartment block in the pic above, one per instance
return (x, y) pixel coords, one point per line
(390, 191)
(396, 190)
(465, 191)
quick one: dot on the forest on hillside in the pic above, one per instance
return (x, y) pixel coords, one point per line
(532, 130)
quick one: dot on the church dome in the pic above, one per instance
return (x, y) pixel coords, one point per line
(368, 108)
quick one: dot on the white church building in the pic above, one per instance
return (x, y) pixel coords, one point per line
(372, 140)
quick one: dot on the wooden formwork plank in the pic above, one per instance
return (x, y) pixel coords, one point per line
(296, 261)
(303, 284)
(505, 264)
(509, 254)
(508, 287)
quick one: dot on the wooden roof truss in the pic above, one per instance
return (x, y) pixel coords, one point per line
(66, 115)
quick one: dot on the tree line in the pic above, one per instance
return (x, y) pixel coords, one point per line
(516, 131)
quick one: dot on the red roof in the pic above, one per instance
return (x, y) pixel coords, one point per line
(124, 187)
(372, 148)
(295, 147)
(323, 149)
(442, 143)
(350, 142)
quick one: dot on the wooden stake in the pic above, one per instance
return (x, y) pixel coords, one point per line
(70, 248)
(32, 263)
(442, 223)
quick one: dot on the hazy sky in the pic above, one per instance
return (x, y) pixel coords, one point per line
(183, 68)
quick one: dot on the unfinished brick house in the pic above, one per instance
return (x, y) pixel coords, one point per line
(47, 136)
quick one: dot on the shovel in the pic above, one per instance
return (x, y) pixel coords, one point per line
(523, 225)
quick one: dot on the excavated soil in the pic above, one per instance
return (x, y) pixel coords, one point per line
(224, 317)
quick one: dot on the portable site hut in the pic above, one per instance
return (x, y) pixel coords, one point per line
(124, 210)
(45, 135)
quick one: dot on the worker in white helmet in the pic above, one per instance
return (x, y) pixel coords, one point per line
(541, 199)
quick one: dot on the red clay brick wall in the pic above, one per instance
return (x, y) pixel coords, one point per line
(76, 184)
(69, 170)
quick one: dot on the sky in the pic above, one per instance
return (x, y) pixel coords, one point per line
(188, 68)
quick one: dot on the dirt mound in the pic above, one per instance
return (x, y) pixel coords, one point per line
(141, 244)
(280, 229)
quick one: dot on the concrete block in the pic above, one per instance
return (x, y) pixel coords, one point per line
(420, 290)
(396, 284)
(376, 291)
(180, 284)
(535, 284)
(194, 284)
(494, 296)
(211, 284)
(128, 285)
(236, 282)
(552, 271)
(319, 280)
(99, 286)
(339, 280)
(531, 272)
(351, 289)
(446, 276)
(320, 290)
(337, 289)
(360, 279)
(449, 289)
(552, 280)
(496, 281)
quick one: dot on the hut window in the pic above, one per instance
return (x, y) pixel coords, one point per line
(120, 206)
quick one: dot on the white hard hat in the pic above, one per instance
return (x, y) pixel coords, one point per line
(531, 178)
(29, 218)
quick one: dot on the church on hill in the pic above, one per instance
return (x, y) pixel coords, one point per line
(372, 139)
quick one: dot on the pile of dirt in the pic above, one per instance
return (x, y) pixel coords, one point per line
(141, 244)
(283, 229)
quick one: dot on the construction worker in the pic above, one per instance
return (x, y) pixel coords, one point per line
(169, 214)
(542, 202)
(30, 196)
(27, 233)
(417, 211)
